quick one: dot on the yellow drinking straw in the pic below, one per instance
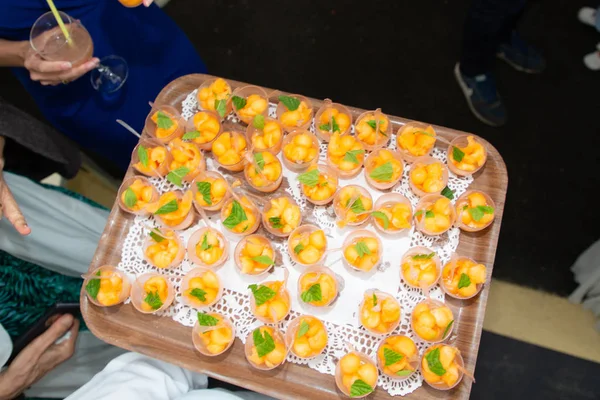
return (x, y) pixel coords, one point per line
(61, 24)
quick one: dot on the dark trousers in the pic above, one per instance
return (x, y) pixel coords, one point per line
(489, 23)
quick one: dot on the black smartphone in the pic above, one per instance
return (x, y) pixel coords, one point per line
(42, 324)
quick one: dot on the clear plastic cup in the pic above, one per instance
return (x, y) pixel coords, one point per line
(379, 141)
(238, 166)
(327, 104)
(187, 221)
(198, 272)
(201, 167)
(370, 165)
(432, 304)
(228, 104)
(390, 199)
(339, 375)
(197, 237)
(283, 293)
(380, 297)
(191, 127)
(442, 385)
(461, 142)
(292, 330)
(302, 166)
(345, 174)
(237, 253)
(381, 363)
(407, 155)
(194, 188)
(319, 270)
(251, 229)
(138, 294)
(277, 337)
(244, 92)
(463, 201)
(268, 188)
(424, 161)
(199, 330)
(332, 176)
(150, 126)
(455, 258)
(252, 130)
(304, 230)
(425, 204)
(125, 290)
(177, 259)
(281, 109)
(163, 168)
(421, 250)
(267, 225)
(360, 234)
(340, 210)
(125, 185)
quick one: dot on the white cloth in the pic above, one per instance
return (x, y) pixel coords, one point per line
(587, 273)
(5, 346)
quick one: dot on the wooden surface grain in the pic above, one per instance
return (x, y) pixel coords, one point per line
(167, 340)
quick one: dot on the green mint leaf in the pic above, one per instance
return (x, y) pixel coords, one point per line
(143, 155)
(464, 281)
(448, 328)
(457, 154)
(434, 363)
(310, 178)
(259, 160)
(404, 372)
(207, 320)
(153, 300)
(313, 293)
(304, 327)
(352, 156)
(449, 193)
(264, 345)
(259, 122)
(191, 135)
(205, 246)
(478, 212)
(221, 107)
(204, 190)
(238, 102)
(236, 216)
(276, 222)
(168, 208)
(391, 357)
(177, 175)
(156, 235)
(374, 300)
(334, 125)
(360, 388)
(372, 123)
(199, 294)
(362, 249)
(486, 209)
(429, 214)
(130, 198)
(325, 127)
(290, 103)
(357, 207)
(299, 247)
(266, 260)
(383, 173)
(383, 217)
(423, 133)
(423, 256)
(93, 286)
(419, 213)
(163, 121)
(261, 293)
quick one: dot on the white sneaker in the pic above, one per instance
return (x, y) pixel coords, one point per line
(592, 60)
(587, 15)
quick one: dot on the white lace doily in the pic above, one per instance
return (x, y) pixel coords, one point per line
(341, 319)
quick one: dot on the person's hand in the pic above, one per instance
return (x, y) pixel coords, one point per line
(55, 72)
(39, 357)
(8, 205)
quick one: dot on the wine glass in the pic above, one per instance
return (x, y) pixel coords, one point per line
(48, 40)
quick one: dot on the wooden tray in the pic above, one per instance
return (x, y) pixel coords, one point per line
(170, 341)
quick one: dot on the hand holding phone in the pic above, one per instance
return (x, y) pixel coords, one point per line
(39, 357)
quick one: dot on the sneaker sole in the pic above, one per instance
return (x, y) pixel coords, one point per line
(517, 66)
(467, 93)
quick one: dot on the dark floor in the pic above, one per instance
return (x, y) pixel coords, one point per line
(399, 55)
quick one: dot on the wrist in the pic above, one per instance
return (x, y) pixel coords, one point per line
(9, 387)
(22, 48)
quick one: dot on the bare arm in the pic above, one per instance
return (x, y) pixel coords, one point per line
(12, 54)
